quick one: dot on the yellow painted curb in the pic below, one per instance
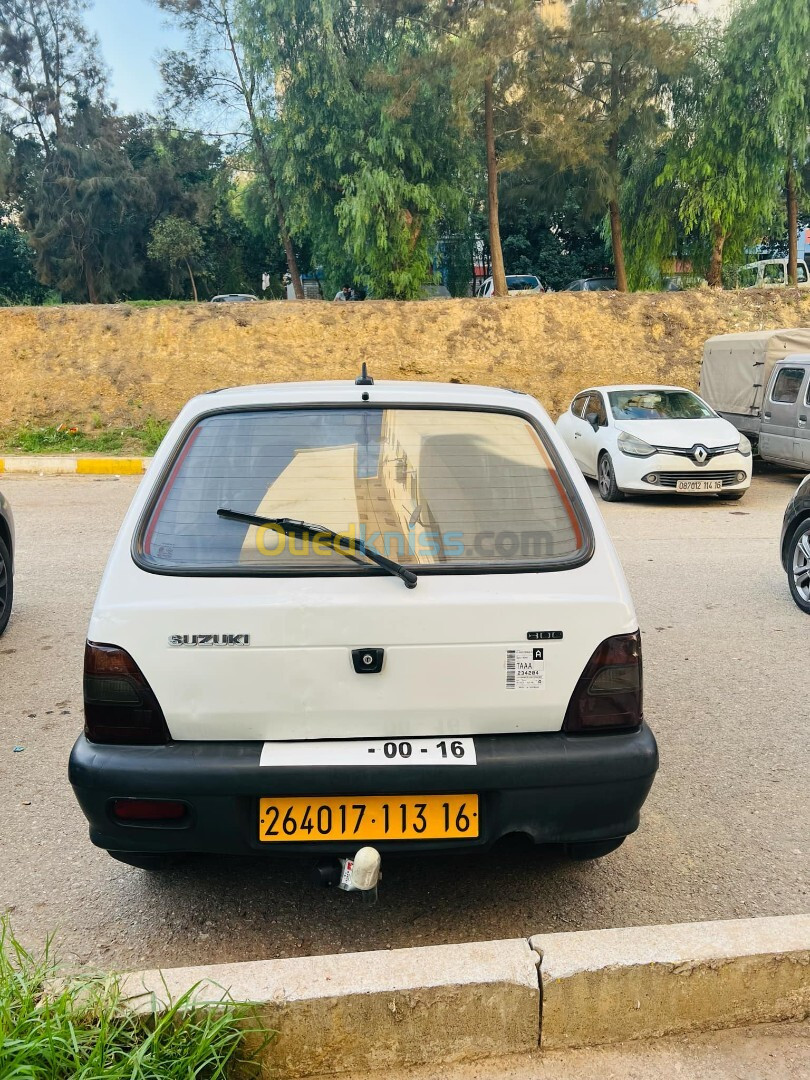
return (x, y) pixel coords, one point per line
(110, 466)
(2, 465)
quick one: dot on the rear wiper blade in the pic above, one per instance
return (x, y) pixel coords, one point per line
(344, 544)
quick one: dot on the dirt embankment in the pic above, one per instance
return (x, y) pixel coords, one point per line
(102, 366)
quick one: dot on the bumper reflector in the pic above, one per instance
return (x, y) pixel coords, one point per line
(148, 809)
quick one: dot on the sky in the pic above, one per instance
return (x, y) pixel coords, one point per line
(131, 32)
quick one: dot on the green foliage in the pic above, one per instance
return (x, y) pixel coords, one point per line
(82, 211)
(18, 280)
(549, 227)
(66, 439)
(714, 181)
(369, 166)
(601, 93)
(359, 129)
(83, 1030)
(174, 240)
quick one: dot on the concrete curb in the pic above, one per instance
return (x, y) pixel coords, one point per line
(608, 986)
(374, 1010)
(70, 465)
(432, 1006)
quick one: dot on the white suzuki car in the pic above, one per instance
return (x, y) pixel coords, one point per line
(655, 440)
(342, 614)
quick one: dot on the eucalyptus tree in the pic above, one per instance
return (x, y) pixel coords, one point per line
(369, 154)
(718, 164)
(770, 42)
(484, 46)
(218, 76)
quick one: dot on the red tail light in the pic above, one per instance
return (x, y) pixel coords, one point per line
(608, 696)
(119, 706)
(148, 809)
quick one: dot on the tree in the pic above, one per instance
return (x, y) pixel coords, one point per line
(715, 165)
(18, 280)
(175, 241)
(771, 39)
(482, 48)
(611, 70)
(48, 65)
(77, 193)
(218, 73)
(84, 209)
(371, 161)
(551, 227)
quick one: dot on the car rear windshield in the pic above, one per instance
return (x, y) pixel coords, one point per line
(521, 284)
(439, 488)
(658, 405)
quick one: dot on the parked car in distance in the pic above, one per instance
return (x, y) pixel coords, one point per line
(768, 273)
(591, 284)
(761, 383)
(517, 284)
(234, 298)
(6, 561)
(795, 545)
(258, 676)
(655, 440)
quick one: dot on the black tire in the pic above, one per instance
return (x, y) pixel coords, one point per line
(157, 863)
(606, 479)
(731, 496)
(594, 849)
(6, 586)
(798, 566)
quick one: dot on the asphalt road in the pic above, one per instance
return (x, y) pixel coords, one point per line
(725, 833)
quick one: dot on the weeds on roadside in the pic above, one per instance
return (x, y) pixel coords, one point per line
(55, 1029)
(66, 439)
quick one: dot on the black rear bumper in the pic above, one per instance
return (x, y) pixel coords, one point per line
(555, 788)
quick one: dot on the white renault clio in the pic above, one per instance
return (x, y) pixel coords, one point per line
(650, 440)
(354, 613)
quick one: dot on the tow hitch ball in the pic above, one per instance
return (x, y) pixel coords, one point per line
(361, 874)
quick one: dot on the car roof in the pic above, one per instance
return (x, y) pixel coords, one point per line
(633, 387)
(389, 391)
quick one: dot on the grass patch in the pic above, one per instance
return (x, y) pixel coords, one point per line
(66, 439)
(82, 1031)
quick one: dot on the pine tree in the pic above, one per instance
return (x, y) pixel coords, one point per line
(601, 90)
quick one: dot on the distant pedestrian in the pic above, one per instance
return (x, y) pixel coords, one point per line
(344, 293)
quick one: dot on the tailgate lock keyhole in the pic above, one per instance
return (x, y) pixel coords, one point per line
(368, 661)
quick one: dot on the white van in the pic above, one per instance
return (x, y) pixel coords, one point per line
(770, 273)
(339, 614)
(516, 284)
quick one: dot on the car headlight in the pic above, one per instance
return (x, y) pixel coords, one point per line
(745, 446)
(635, 447)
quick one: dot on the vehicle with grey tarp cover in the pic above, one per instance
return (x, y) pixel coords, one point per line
(761, 383)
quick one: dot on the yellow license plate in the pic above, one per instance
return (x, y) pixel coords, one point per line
(368, 817)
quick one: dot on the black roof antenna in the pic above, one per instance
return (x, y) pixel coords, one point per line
(364, 379)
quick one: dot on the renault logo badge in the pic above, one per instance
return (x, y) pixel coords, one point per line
(701, 455)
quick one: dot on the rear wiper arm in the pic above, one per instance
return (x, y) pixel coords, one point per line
(344, 544)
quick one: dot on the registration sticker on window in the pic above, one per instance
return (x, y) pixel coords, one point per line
(525, 669)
